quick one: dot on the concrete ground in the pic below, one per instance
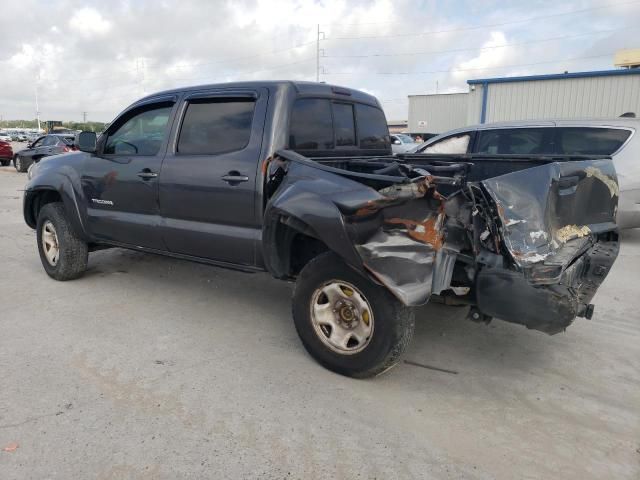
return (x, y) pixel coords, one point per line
(150, 367)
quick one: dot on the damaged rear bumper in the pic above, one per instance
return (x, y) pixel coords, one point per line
(508, 295)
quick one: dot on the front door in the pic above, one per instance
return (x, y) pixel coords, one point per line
(208, 181)
(27, 155)
(121, 180)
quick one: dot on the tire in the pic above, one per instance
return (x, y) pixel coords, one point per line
(391, 324)
(5, 163)
(73, 253)
(20, 164)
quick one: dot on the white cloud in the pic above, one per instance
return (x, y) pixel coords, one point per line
(88, 22)
(23, 58)
(102, 55)
(488, 58)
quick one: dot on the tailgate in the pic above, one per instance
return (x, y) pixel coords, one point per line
(558, 225)
(550, 214)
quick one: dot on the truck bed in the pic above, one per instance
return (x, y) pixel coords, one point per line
(497, 233)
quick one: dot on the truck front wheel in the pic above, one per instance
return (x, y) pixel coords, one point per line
(346, 322)
(64, 256)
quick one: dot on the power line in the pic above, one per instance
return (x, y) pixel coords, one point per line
(453, 50)
(200, 64)
(471, 69)
(247, 72)
(488, 25)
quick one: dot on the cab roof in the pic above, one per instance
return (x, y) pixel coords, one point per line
(301, 87)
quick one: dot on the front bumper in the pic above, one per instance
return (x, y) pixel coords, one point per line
(508, 295)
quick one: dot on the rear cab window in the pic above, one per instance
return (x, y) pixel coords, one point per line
(326, 125)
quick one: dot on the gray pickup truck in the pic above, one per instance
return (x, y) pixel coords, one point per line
(298, 179)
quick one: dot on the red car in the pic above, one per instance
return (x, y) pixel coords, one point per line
(6, 153)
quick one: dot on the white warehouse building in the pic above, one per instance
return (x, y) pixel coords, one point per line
(599, 94)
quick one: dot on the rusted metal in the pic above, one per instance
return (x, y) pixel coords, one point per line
(428, 231)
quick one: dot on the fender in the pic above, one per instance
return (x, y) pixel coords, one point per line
(310, 205)
(59, 174)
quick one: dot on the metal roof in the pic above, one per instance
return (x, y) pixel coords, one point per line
(558, 76)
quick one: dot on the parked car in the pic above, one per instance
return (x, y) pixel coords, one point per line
(5, 137)
(298, 179)
(616, 137)
(6, 153)
(401, 143)
(22, 137)
(44, 146)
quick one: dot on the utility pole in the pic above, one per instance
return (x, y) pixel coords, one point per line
(84, 117)
(318, 50)
(37, 107)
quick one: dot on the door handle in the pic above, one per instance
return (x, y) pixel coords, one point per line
(234, 178)
(147, 174)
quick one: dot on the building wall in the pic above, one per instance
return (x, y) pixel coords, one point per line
(594, 97)
(563, 98)
(440, 112)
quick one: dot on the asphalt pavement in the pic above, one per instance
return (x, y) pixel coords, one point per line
(155, 368)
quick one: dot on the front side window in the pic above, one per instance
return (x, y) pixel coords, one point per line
(590, 141)
(49, 141)
(373, 133)
(215, 126)
(455, 145)
(38, 143)
(311, 126)
(141, 134)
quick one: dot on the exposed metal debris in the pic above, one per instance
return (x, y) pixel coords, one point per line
(569, 232)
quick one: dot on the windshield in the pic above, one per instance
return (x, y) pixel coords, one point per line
(405, 138)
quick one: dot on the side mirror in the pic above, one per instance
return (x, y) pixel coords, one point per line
(397, 142)
(87, 142)
(29, 145)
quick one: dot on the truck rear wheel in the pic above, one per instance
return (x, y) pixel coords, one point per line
(346, 322)
(64, 256)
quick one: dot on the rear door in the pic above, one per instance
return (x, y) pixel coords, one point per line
(120, 182)
(208, 179)
(46, 149)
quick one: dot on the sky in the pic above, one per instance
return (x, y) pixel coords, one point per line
(94, 58)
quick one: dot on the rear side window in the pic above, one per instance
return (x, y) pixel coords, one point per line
(373, 132)
(212, 127)
(514, 141)
(590, 141)
(311, 125)
(344, 125)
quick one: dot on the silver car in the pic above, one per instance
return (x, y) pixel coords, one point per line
(402, 143)
(616, 137)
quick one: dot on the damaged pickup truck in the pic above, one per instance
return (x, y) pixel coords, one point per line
(298, 179)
